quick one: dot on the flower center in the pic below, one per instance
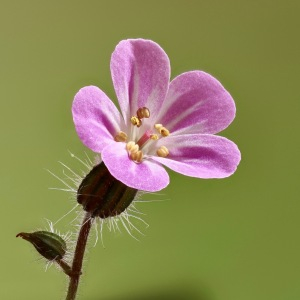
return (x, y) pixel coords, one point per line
(137, 148)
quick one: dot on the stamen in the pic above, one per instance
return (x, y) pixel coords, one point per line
(162, 151)
(158, 127)
(135, 121)
(143, 112)
(121, 137)
(137, 156)
(144, 138)
(132, 147)
(162, 130)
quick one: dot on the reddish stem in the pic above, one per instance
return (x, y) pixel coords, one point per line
(78, 256)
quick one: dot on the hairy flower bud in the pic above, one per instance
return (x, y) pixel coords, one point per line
(102, 195)
(48, 244)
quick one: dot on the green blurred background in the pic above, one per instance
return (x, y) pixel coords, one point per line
(231, 239)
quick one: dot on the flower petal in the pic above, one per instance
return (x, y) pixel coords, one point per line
(197, 103)
(96, 118)
(148, 175)
(200, 155)
(140, 72)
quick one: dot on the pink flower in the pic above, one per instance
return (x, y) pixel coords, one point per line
(162, 122)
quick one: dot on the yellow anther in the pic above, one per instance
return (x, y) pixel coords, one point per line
(158, 127)
(154, 137)
(143, 112)
(132, 147)
(162, 151)
(136, 121)
(164, 131)
(137, 156)
(121, 137)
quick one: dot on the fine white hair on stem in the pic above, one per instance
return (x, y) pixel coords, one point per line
(71, 181)
(126, 219)
(88, 220)
(86, 163)
(67, 237)
(153, 200)
(140, 194)
(66, 214)
(131, 225)
(96, 231)
(78, 216)
(133, 209)
(88, 159)
(138, 218)
(101, 234)
(48, 265)
(73, 172)
(62, 181)
(126, 228)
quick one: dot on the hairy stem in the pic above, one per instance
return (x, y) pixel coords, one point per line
(78, 256)
(66, 268)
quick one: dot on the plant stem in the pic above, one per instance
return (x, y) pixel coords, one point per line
(66, 268)
(78, 256)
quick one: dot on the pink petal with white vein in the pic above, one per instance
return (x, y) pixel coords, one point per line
(140, 72)
(200, 155)
(197, 103)
(147, 176)
(96, 118)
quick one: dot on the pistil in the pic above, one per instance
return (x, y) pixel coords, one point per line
(144, 138)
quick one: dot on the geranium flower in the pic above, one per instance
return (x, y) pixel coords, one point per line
(162, 122)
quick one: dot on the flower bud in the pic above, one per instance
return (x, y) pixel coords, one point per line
(48, 244)
(103, 195)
